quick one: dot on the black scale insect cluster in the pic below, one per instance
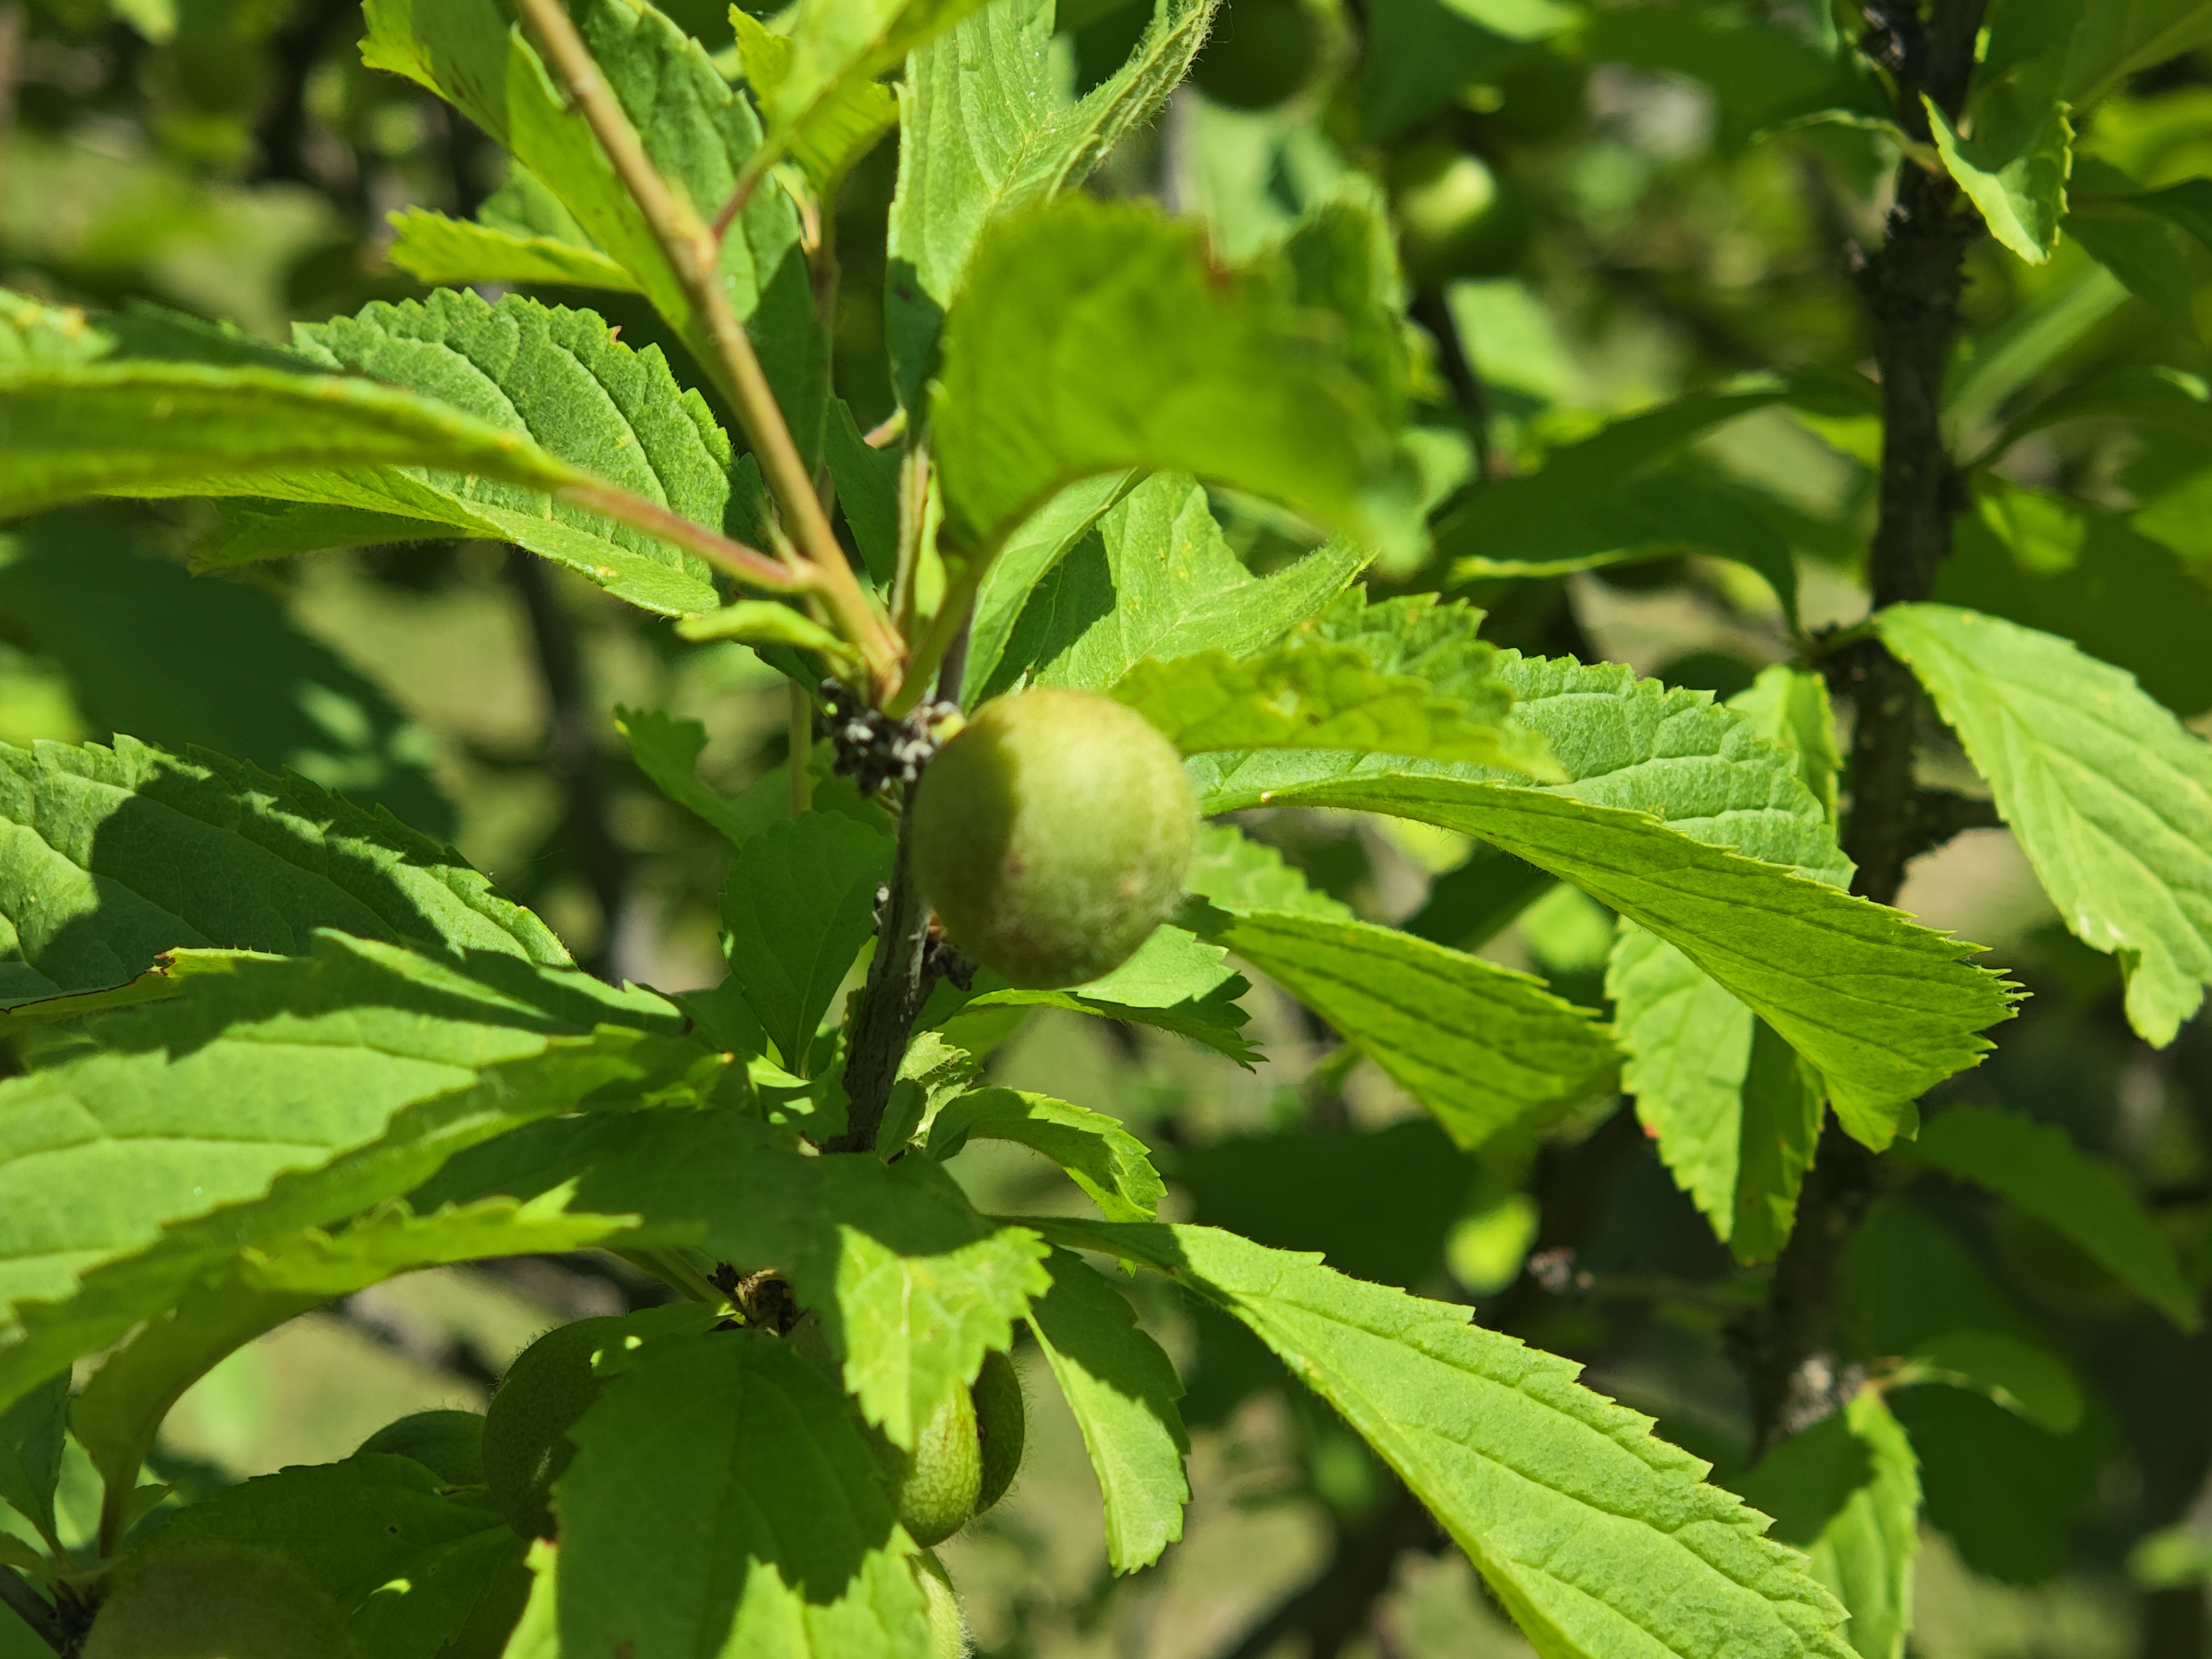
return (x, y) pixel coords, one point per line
(874, 750)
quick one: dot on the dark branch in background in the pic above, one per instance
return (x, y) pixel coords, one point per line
(572, 754)
(14, 24)
(1911, 287)
(1434, 312)
(283, 128)
(33, 1609)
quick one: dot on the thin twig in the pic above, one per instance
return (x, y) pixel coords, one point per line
(745, 563)
(694, 255)
(949, 624)
(32, 1608)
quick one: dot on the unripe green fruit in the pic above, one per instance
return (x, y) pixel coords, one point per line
(525, 1434)
(1001, 1425)
(948, 1631)
(216, 1603)
(1456, 218)
(1259, 53)
(1053, 834)
(934, 1486)
(450, 1445)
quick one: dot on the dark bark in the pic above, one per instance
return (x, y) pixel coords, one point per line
(899, 983)
(600, 859)
(1911, 287)
(283, 127)
(1433, 311)
(33, 1609)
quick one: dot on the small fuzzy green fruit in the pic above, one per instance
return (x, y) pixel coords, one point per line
(934, 1486)
(948, 1631)
(1053, 834)
(448, 1443)
(216, 1603)
(1457, 217)
(1001, 1425)
(526, 1433)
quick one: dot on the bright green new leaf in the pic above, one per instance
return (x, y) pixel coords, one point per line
(1736, 1120)
(279, 1094)
(1028, 559)
(2125, 852)
(451, 252)
(109, 858)
(1122, 1391)
(1311, 695)
(1790, 707)
(121, 1408)
(765, 622)
(32, 1432)
(1104, 1160)
(2037, 1167)
(1174, 983)
(2017, 178)
(667, 751)
(1598, 1538)
(724, 1501)
(811, 88)
(1847, 1491)
(33, 332)
(1158, 580)
(987, 128)
(799, 904)
(357, 1530)
(1096, 336)
(698, 133)
(2022, 1377)
(827, 133)
(933, 1074)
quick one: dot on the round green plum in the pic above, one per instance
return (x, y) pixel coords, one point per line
(1052, 835)
(1001, 1427)
(208, 1602)
(934, 1486)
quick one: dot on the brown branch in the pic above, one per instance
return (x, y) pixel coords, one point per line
(694, 255)
(1911, 287)
(33, 1609)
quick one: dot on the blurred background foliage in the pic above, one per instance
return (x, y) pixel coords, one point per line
(1599, 208)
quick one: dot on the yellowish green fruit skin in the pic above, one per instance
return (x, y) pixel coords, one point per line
(948, 1631)
(525, 1434)
(934, 1487)
(1001, 1427)
(213, 1603)
(1052, 835)
(449, 1443)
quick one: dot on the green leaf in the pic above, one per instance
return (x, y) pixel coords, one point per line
(699, 134)
(1736, 1119)
(1548, 525)
(1104, 1160)
(2016, 176)
(667, 751)
(723, 1500)
(1881, 1008)
(912, 1285)
(799, 903)
(1314, 694)
(2035, 1166)
(2116, 38)
(1122, 1391)
(1156, 580)
(279, 1094)
(33, 332)
(122, 1407)
(32, 1432)
(109, 858)
(1158, 359)
(2139, 250)
(2025, 1378)
(2188, 204)
(932, 1074)
(1790, 707)
(1847, 1491)
(2125, 852)
(988, 128)
(2117, 587)
(365, 1532)
(1174, 983)
(1598, 1538)
(178, 662)
(1422, 53)
(1240, 875)
(461, 1598)
(766, 622)
(452, 252)
(843, 123)
(1483, 1048)
(2014, 355)
(867, 481)
(1029, 556)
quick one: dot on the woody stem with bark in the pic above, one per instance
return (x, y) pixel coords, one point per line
(1911, 288)
(694, 255)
